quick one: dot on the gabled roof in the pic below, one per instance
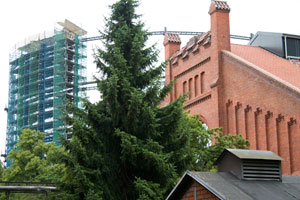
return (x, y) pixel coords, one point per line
(226, 186)
(280, 67)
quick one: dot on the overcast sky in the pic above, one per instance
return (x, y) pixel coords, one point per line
(22, 18)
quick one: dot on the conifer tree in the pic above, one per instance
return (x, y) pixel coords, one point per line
(126, 146)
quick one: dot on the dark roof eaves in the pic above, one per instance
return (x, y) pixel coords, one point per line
(203, 183)
(177, 185)
(291, 35)
(200, 181)
(276, 54)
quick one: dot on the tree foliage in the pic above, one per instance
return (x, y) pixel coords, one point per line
(33, 160)
(208, 144)
(126, 146)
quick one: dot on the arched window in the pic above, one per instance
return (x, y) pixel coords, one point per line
(190, 88)
(184, 87)
(196, 85)
(202, 77)
(204, 125)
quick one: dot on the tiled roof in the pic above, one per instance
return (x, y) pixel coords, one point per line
(171, 37)
(221, 5)
(280, 67)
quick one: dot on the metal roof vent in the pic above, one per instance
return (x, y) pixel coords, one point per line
(250, 164)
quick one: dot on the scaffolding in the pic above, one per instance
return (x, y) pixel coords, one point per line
(45, 73)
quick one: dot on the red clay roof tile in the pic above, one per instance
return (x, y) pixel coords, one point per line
(202, 37)
(280, 67)
(196, 48)
(221, 5)
(207, 41)
(172, 37)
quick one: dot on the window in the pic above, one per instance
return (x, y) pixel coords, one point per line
(202, 82)
(293, 47)
(190, 88)
(196, 85)
(184, 87)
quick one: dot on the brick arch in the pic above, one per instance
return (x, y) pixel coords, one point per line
(203, 120)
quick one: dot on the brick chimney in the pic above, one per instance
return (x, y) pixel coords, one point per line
(172, 44)
(220, 40)
(220, 30)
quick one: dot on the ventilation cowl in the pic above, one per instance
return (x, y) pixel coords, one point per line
(250, 164)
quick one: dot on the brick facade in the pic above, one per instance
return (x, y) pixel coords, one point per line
(198, 192)
(229, 91)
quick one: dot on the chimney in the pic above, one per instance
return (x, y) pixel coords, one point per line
(172, 44)
(250, 164)
(220, 29)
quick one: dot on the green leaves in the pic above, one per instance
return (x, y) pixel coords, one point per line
(208, 144)
(34, 160)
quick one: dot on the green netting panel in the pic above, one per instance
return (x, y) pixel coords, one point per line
(33, 89)
(59, 82)
(34, 65)
(21, 82)
(33, 77)
(33, 54)
(20, 122)
(80, 57)
(32, 121)
(21, 71)
(56, 135)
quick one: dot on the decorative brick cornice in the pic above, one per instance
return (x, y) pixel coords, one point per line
(193, 67)
(248, 108)
(197, 101)
(292, 121)
(280, 118)
(258, 111)
(238, 105)
(269, 114)
(229, 102)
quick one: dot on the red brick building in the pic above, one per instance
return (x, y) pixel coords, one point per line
(245, 89)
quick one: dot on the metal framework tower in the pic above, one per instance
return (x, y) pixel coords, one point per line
(45, 72)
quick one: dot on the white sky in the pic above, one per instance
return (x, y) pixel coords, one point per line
(20, 19)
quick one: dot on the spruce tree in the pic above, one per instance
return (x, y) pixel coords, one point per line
(126, 146)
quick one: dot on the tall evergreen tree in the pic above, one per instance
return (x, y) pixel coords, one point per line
(126, 146)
